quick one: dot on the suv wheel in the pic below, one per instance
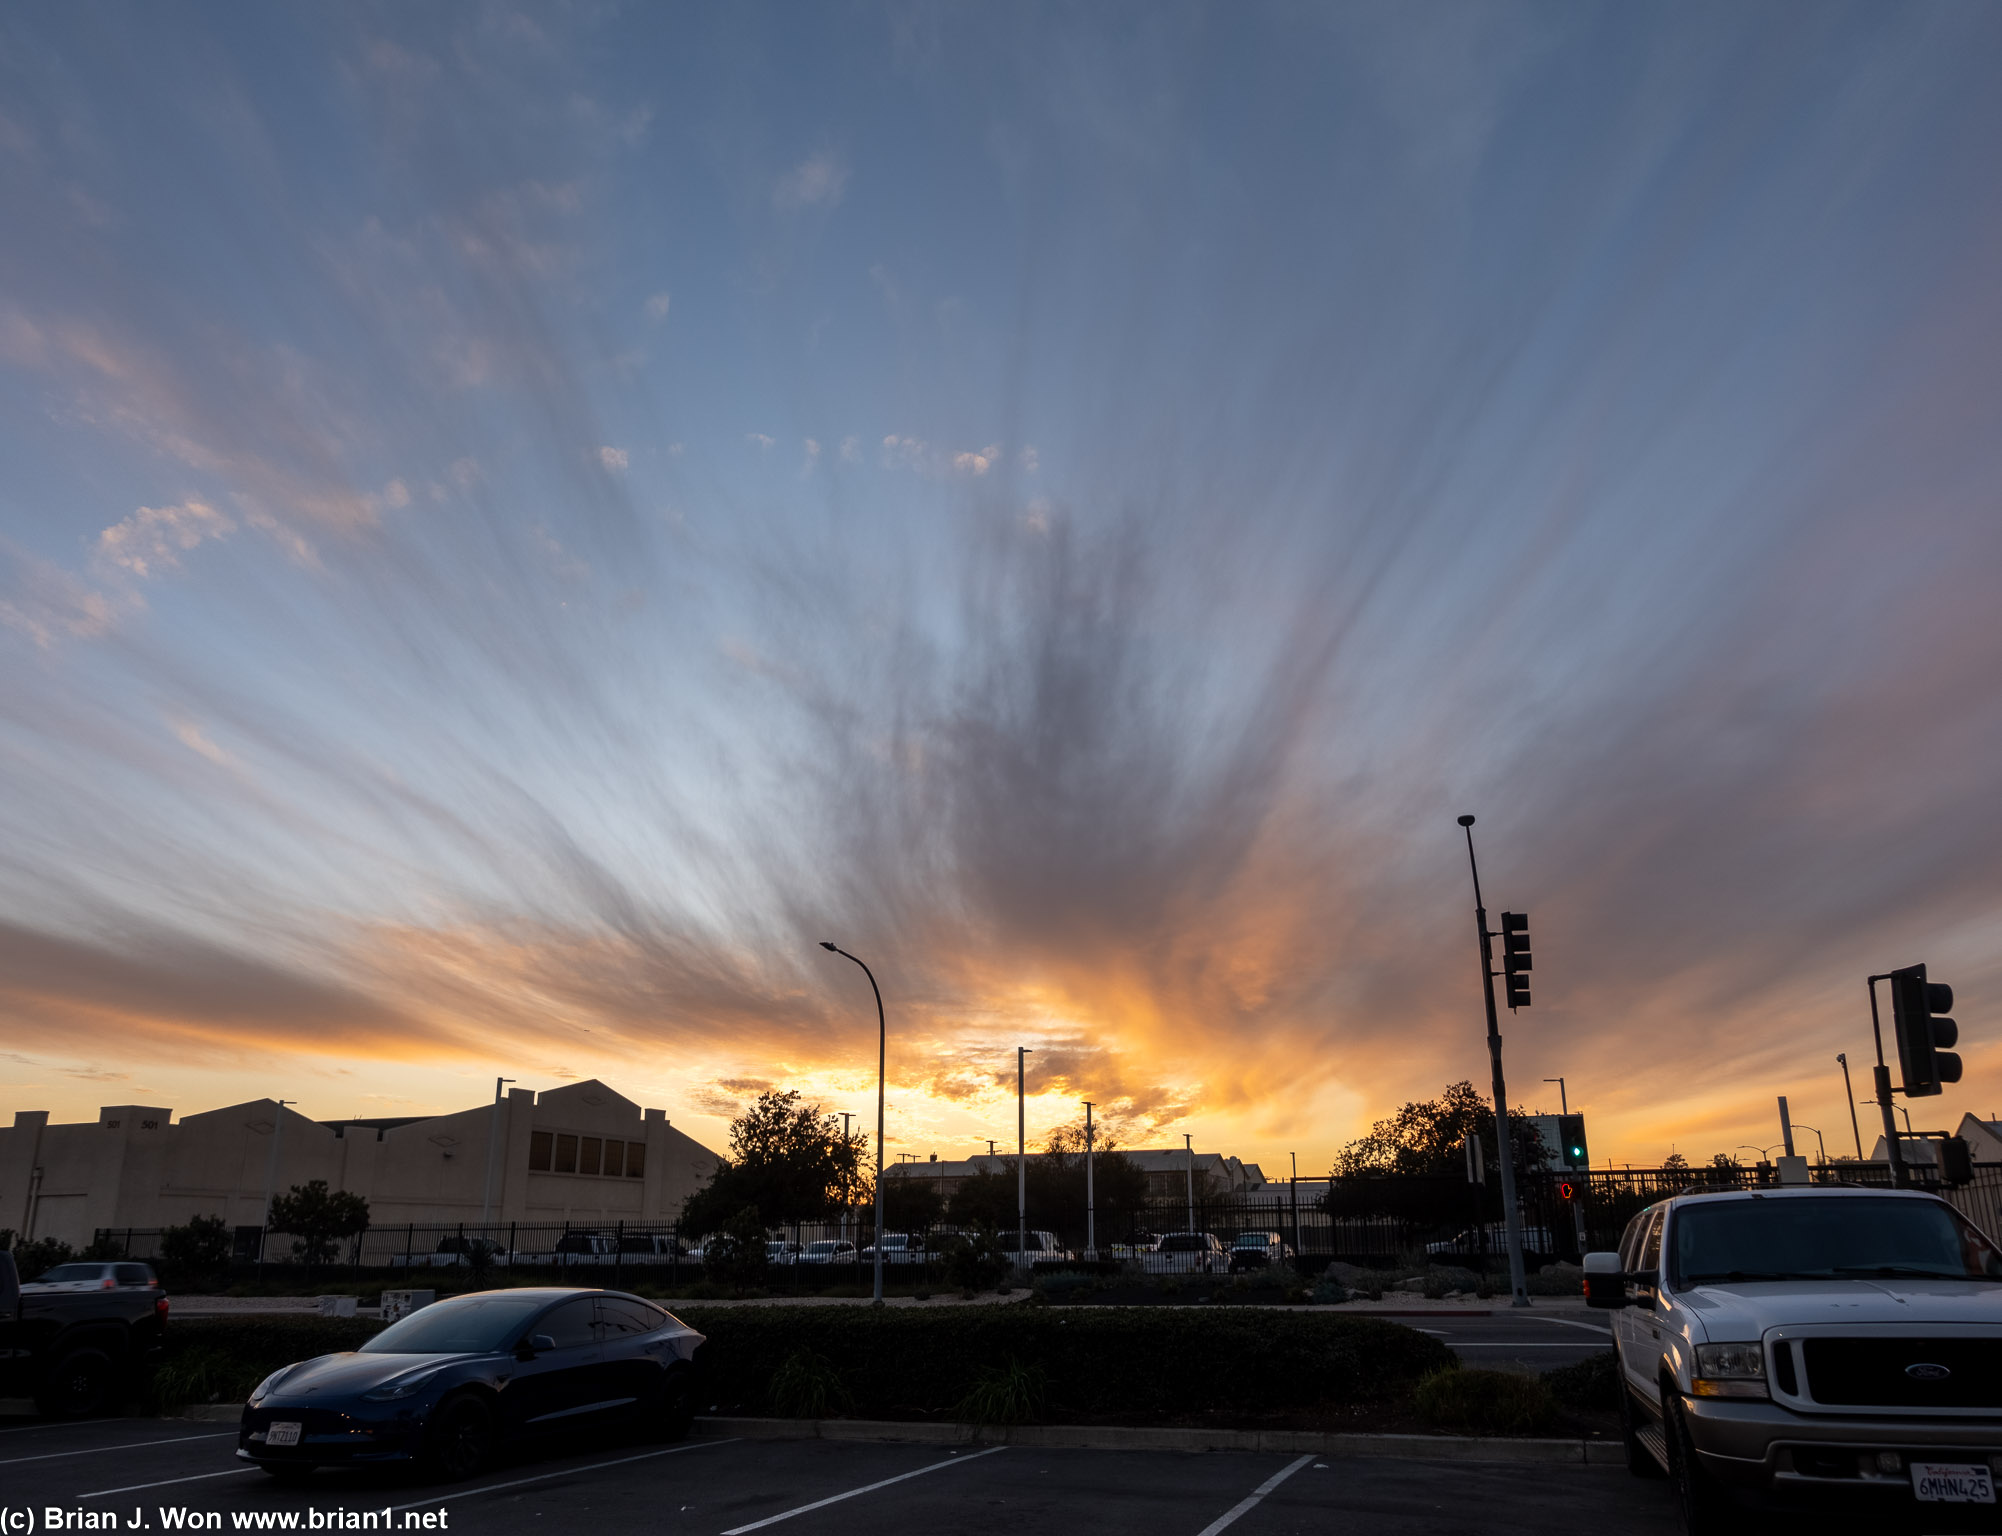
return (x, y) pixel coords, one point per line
(1704, 1504)
(81, 1384)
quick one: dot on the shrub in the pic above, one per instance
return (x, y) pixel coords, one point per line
(199, 1252)
(1592, 1385)
(807, 1386)
(1442, 1278)
(206, 1360)
(1557, 1279)
(1485, 1402)
(1063, 1287)
(37, 1257)
(736, 1255)
(1110, 1363)
(975, 1262)
(1005, 1394)
(1328, 1289)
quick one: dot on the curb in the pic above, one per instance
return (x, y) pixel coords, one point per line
(1093, 1437)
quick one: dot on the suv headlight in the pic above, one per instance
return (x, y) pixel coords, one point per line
(1730, 1370)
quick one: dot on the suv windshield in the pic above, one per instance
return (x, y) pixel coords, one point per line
(1838, 1238)
(469, 1325)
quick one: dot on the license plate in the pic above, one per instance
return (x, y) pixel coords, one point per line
(288, 1434)
(1952, 1482)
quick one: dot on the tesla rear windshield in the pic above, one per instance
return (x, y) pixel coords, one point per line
(469, 1325)
(1838, 1238)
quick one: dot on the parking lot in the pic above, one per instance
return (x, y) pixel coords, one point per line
(146, 1469)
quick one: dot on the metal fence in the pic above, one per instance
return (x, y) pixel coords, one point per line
(1367, 1220)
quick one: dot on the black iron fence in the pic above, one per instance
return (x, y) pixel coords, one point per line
(1367, 1220)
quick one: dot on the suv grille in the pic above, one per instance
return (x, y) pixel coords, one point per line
(1966, 1373)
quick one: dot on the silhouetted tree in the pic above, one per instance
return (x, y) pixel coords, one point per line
(318, 1220)
(786, 1158)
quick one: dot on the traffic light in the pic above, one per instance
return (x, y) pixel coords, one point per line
(1571, 1132)
(1515, 957)
(1916, 1006)
(1956, 1161)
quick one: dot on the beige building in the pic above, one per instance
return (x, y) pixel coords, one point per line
(580, 1153)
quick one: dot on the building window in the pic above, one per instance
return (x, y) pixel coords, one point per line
(566, 1154)
(635, 1159)
(591, 1150)
(615, 1159)
(538, 1151)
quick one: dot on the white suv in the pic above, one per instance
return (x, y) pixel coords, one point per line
(1826, 1343)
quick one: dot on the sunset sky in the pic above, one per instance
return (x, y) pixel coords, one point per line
(516, 522)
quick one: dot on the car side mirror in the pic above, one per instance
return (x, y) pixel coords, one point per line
(1605, 1281)
(533, 1345)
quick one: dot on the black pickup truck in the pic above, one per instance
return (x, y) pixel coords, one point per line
(74, 1351)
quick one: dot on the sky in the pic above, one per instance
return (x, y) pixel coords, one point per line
(517, 522)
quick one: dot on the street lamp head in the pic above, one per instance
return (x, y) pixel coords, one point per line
(1466, 821)
(825, 945)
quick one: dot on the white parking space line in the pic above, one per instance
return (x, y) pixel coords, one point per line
(1250, 1500)
(130, 1445)
(902, 1477)
(165, 1482)
(1567, 1322)
(543, 1477)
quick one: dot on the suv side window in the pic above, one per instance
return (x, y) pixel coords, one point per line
(1630, 1240)
(1651, 1245)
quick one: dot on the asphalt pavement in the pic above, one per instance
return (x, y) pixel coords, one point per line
(156, 1475)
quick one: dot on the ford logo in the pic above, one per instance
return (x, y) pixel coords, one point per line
(1926, 1371)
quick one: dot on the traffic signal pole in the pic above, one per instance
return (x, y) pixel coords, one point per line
(1900, 1180)
(1518, 1290)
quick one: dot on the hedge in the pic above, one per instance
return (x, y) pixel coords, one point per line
(1079, 1364)
(220, 1359)
(1093, 1364)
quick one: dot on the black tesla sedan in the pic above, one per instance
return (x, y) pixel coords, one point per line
(450, 1384)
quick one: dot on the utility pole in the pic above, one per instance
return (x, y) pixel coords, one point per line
(493, 1143)
(1189, 1141)
(1296, 1204)
(1021, 1161)
(1090, 1206)
(1854, 1129)
(1504, 1148)
(1563, 1104)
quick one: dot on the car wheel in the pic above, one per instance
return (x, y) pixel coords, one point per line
(671, 1414)
(1640, 1460)
(82, 1383)
(1704, 1505)
(461, 1438)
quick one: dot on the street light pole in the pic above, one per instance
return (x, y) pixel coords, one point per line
(1563, 1104)
(1090, 1206)
(1818, 1141)
(1189, 1142)
(1854, 1129)
(1504, 1149)
(882, 1057)
(1021, 1160)
(493, 1141)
